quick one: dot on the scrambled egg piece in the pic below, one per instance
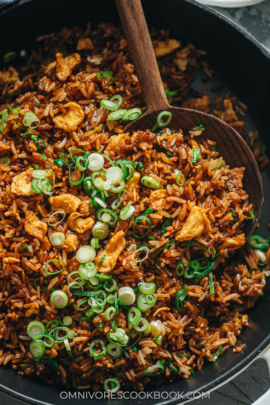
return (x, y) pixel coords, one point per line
(10, 75)
(164, 48)
(78, 224)
(132, 187)
(200, 104)
(84, 44)
(64, 66)
(158, 200)
(66, 202)
(196, 224)
(34, 226)
(116, 141)
(228, 113)
(233, 243)
(110, 253)
(70, 120)
(21, 184)
(84, 208)
(71, 243)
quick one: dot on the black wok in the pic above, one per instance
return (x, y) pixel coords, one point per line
(240, 63)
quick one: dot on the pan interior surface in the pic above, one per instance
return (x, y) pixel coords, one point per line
(242, 67)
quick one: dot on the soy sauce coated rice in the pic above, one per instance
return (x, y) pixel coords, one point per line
(209, 323)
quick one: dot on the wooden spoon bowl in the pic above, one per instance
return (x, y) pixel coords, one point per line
(231, 146)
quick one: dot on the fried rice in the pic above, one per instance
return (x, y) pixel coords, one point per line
(187, 218)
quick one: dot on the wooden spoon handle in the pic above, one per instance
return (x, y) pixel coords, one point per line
(141, 49)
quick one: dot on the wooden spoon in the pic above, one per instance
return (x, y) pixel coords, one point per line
(231, 145)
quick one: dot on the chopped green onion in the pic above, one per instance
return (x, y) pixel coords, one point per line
(136, 341)
(111, 385)
(100, 230)
(147, 288)
(117, 203)
(31, 120)
(74, 183)
(150, 371)
(56, 272)
(114, 350)
(108, 287)
(194, 243)
(59, 299)
(67, 320)
(23, 247)
(139, 221)
(114, 325)
(167, 223)
(181, 182)
(85, 254)
(93, 351)
(47, 360)
(116, 115)
(35, 328)
(58, 222)
(109, 313)
(132, 114)
(114, 174)
(143, 326)
(117, 97)
(94, 243)
(59, 162)
(101, 260)
(170, 93)
(180, 297)
(200, 127)
(211, 284)
(262, 244)
(109, 105)
(87, 270)
(196, 155)
(105, 73)
(37, 349)
(134, 316)
(214, 359)
(57, 239)
(9, 56)
(118, 188)
(149, 182)
(37, 143)
(160, 121)
(251, 213)
(218, 165)
(96, 162)
(119, 336)
(144, 302)
(127, 212)
(107, 216)
(126, 295)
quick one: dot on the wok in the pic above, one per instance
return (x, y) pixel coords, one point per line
(242, 65)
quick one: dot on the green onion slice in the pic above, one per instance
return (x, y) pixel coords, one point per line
(160, 122)
(31, 120)
(151, 183)
(132, 114)
(139, 221)
(180, 297)
(56, 272)
(116, 115)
